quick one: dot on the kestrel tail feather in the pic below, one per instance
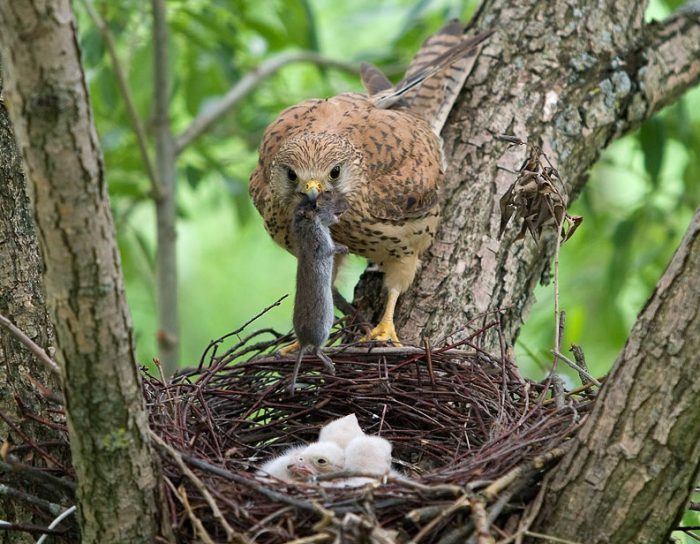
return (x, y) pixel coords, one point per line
(434, 99)
(390, 97)
(446, 38)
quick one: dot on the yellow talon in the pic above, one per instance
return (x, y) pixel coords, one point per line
(383, 332)
(290, 348)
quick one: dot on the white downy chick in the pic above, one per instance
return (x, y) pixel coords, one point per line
(277, 466)
(301, 462)
(370, 455)
(341, 431)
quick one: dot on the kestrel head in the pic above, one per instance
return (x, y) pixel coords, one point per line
(311, 164)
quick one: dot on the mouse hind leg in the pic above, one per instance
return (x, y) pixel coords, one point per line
(330, 367)
(295, 373)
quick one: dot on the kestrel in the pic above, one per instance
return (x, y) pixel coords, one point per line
(380, 151)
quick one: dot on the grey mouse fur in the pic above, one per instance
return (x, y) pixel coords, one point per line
(315, 250)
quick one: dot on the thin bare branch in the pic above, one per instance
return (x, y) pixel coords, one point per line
(122, 83)
(250, 81)
(38, 352)
(577, 368)
(166, 256)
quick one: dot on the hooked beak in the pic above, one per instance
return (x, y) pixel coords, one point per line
(312, 189)
(299, 470)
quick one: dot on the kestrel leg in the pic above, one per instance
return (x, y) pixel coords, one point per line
(398, 276)
(290, 348)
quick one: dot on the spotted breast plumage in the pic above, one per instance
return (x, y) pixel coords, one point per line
(381, 152)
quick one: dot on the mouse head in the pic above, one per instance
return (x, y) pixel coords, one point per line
(327, 207)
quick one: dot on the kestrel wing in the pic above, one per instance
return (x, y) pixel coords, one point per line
(403, 165)
(373, 79)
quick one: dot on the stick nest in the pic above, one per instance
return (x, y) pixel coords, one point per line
(472, 435)
(459, 421)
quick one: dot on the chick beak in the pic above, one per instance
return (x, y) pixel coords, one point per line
(312, 189)
(300, 469)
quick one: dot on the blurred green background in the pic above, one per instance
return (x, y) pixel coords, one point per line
(636, 205)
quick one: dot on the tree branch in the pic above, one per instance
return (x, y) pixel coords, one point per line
(665, 67)
(123, 85)
(250, 81)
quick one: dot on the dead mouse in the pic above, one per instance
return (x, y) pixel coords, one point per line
(315, 249)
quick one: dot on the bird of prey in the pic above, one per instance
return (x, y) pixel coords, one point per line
(380, 151)
(341, 431)
(300, 462)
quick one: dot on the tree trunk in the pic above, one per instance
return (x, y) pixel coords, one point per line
(571, 76)
(48, 102)
(634, 464)
(22, 302)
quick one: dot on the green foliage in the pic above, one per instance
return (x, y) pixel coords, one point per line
(636, 206)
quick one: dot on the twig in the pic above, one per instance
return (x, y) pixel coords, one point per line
(39, 353)
(199, 529)
(536, 463)
(11, 464)
(246, 84)
(55, 523)
(559, 391)
(273, 495)
(577, 368)
(311, 539)
(463, 502)
(574, 391)
(550, 538)
(240, 329)
(32, 529)
(12, 493)
(123, 85)
(581, 362)
(558, 317)
(230, 532)
(481, 522)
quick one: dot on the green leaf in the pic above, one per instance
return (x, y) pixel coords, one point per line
(652, 136)
(621, 261)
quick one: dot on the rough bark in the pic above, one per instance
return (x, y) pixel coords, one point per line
(569, 75)
(47, 97)
(22, 301)
(633, 466)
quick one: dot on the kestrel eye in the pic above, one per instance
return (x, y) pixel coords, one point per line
(335, 172)
(291, 174)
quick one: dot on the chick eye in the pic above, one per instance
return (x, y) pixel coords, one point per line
(291, 174)
(335, 172)
(321, 461)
